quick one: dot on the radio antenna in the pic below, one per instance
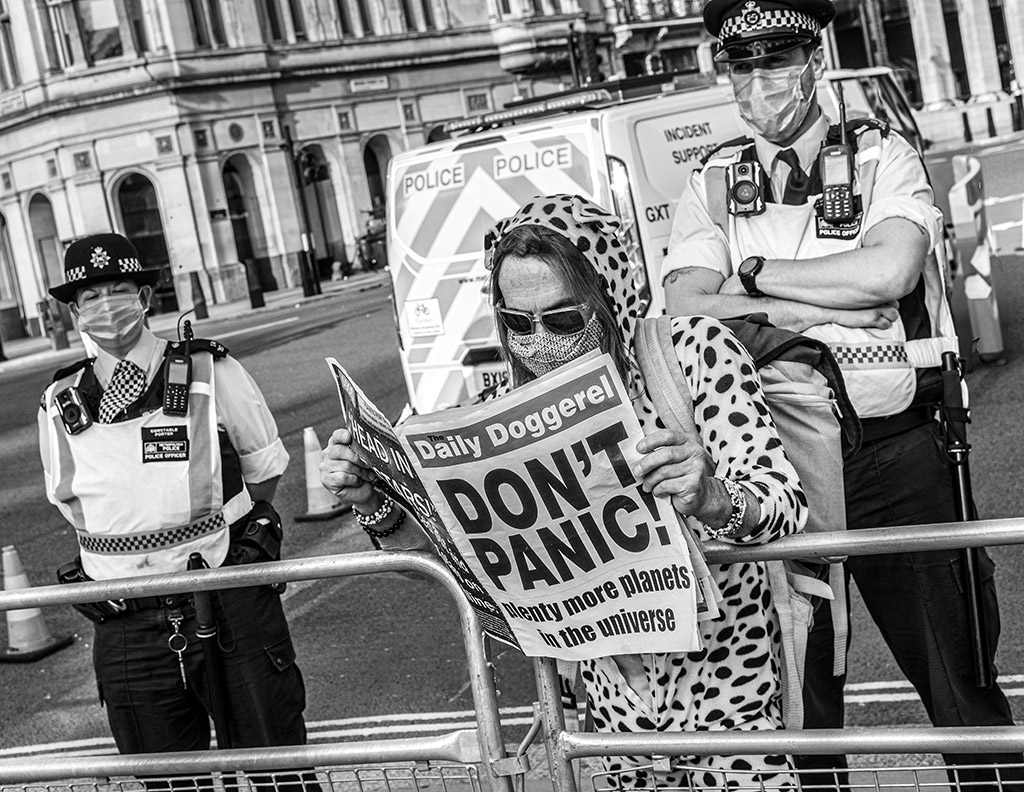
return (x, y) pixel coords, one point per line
(842, 111)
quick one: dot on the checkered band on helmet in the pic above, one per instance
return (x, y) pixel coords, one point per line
(74, 274)
(751, 21)
(129, 265)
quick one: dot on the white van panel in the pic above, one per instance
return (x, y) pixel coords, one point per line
(662, 142)
(443, 199)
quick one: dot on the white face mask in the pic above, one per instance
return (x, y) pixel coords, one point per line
(542, 352)
(772, 101)
(112, 318)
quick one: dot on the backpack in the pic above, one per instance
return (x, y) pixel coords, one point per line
(805, 393)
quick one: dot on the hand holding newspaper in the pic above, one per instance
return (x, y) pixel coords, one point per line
(534, 496)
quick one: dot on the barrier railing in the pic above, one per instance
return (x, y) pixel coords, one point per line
(564, 746)
(488, 749)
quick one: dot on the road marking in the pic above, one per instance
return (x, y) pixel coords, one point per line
(243, 331)
(862, 693)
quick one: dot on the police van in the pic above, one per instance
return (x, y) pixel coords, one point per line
(627, 145)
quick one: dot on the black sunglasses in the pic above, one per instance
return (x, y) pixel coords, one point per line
(559, 321)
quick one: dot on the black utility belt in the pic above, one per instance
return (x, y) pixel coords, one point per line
(876, 429)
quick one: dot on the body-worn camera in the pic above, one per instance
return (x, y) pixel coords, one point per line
(73, 411)
(744, 188)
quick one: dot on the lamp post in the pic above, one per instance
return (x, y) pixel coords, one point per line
(307, 262)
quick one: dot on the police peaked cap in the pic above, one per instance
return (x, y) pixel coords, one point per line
(101, 258)
(750, 29)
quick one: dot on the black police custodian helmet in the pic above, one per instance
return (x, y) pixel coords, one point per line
(749, 29)
(100, 258)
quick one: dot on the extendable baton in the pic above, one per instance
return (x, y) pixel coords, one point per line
(206, 631)
(955, 418)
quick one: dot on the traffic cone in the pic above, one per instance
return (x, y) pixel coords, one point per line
(320, 504)
(28, 639)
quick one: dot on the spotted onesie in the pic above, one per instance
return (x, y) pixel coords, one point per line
(733, 683)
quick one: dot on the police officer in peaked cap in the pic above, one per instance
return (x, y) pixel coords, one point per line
(853, 267)
(154, 450)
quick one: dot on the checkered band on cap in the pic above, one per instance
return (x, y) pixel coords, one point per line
(871, 357)
(100, 260)
(127, 544)
(751, 20)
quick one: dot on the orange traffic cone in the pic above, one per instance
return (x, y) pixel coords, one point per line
(28, 639)
(320, 504)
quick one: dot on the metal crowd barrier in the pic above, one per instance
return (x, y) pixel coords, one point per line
(446, 762)
(462, 760)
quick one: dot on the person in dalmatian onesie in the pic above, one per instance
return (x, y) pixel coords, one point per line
(559, 258)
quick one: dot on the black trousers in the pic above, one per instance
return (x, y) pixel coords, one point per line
(150, 709)
(916, 599)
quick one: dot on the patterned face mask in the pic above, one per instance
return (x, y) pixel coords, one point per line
(543, 352)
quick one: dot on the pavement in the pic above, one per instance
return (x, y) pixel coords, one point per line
(38, 351)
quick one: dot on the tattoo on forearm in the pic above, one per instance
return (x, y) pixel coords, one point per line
(675, 275)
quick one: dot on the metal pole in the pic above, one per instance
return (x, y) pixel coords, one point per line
(306, 272)
(549, 692)
(206, 631)
(955, 418)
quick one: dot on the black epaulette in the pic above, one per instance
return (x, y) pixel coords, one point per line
(215, 348)
(855, 128)
(740, 141)
(78, 365)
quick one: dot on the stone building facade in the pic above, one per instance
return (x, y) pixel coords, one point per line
(191, 126)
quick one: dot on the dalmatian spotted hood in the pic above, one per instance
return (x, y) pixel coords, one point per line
(595, 233)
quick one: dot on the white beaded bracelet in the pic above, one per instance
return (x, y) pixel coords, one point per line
(379, 516)
(739, 510)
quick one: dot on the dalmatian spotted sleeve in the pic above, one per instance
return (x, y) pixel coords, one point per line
(730, 411)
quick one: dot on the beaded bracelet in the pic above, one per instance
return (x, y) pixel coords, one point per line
(370, 520)
(373, 533)
(739, 510)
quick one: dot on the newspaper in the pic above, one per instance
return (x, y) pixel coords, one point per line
(538, 494)
(374, 440)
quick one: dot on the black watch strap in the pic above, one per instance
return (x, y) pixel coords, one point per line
(748, 271)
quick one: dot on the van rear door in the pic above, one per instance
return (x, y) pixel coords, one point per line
(443, 198)
(657, 144)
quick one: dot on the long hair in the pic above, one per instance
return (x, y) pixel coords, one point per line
(581, 281)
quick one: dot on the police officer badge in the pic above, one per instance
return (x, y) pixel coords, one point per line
(752, 15)
(99, 258)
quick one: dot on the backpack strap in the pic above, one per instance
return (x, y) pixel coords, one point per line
(663, 376)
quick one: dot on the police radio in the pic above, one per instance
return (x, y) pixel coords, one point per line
(178, 378)
(835, 163)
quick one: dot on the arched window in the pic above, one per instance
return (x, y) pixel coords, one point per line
(322, 206)
(45, 240)
(376, 157)
(142, 224)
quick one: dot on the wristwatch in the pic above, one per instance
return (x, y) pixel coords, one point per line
(748, 272)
